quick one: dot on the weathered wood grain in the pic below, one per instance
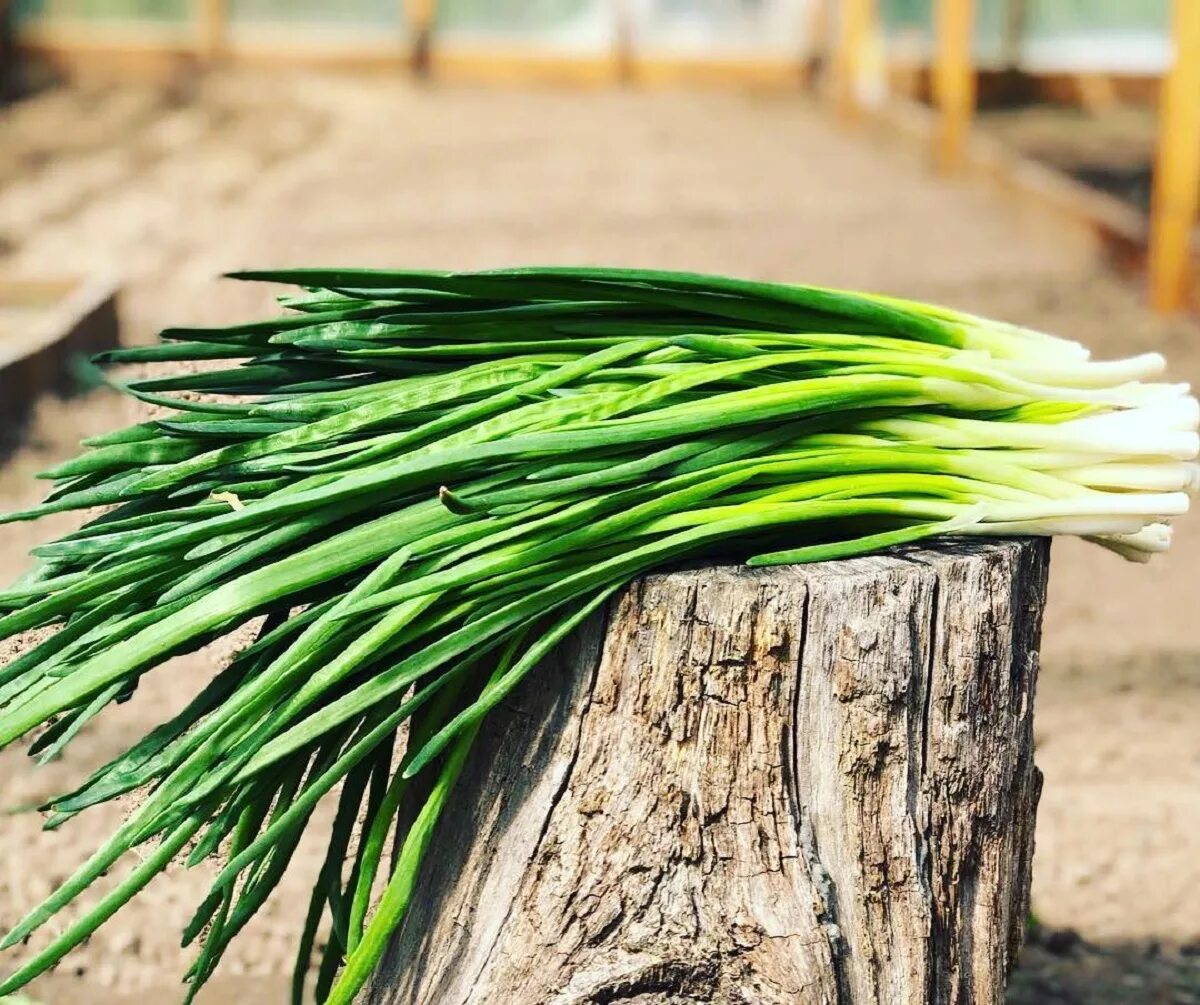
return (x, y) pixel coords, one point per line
(794, 785)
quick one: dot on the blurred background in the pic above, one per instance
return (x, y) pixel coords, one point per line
(1036, 160)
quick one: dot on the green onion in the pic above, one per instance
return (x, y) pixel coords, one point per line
(423, 481)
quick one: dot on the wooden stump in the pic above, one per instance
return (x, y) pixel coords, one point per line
(792, 785)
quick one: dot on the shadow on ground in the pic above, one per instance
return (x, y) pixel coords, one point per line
(1057, 967)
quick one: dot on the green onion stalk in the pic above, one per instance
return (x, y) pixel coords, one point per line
(415, 484)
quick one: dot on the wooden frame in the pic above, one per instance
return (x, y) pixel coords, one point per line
(73, 49)
(212, 24)
(69, 317)
(852, 36)
(953, 81)
(420, 16)
(464, 62)
(769, 72)
(913, 79)
(159, 51)
(210, 36)
(140, 53)
(1119, 230)
(1177, 170)
(78, 49)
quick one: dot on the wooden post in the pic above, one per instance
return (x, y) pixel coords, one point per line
(212, 28)
(1177, 169)
(855, 21)
(821, 19)
(420, 16)
(953, 81)
(802, 784)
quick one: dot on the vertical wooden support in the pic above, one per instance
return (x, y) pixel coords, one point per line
(1177, 170)
(854, 27)
(953, 81)
(212, 28)
(820, 22)
(420, 16)
(624, 44)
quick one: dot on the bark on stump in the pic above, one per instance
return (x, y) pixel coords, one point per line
(794, 785)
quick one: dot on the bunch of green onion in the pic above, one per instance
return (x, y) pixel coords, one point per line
(415, 484)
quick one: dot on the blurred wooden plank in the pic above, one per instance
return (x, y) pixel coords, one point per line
(853, 37)
(624, 41)
(767, 73)
(819, 26)
(420, 16)
(953, 81)
(1097, 93)
(212, 27)
(128, 54)
(1177, 170)
(44, 323)
(911, 75)
(521, 66)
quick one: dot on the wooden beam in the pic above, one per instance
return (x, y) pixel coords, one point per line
(524, 67)
(953, 81)
(624, 44)
(124, 55)
(1177, 170)
(765, 74)
(212, 28)
(854, 26)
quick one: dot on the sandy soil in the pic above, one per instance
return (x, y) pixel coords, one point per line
(171, 188)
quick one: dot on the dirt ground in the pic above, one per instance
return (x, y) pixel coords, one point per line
(169, 188)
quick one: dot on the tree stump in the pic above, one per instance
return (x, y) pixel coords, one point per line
(795, 785)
